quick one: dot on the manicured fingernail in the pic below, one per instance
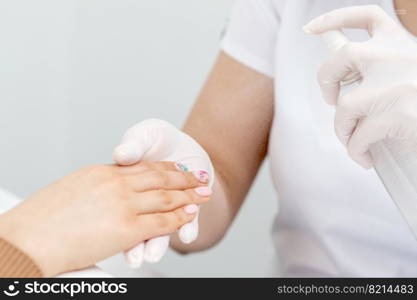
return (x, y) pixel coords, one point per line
(191, 209)
(201, 176)
(181, 167)
(203, 191)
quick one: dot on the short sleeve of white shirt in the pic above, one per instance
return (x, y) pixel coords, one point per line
(251, 34)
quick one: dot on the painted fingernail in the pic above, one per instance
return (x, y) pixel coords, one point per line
(201, 176)
(191, 209)
(203, 191)
(181, 167)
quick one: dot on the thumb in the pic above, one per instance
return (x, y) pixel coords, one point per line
(128, 153)
(143, 139)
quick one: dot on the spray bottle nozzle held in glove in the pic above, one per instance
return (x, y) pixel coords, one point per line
(394, 160)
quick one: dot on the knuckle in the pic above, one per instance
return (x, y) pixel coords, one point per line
(165, 198)
(189, 179)
(102, 172)
(162, 221)
(162, 178)
(158, 178)
(180, 217)
(116, 186)
(190, 197)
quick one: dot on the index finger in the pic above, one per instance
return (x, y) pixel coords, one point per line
(143, 166)
(368, 17)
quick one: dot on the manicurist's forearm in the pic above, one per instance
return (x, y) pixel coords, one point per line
(230, 120)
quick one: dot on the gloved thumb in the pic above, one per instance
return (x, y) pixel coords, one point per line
(144, 139)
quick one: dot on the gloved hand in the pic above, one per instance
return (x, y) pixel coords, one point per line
(157, 140)
(384, 104)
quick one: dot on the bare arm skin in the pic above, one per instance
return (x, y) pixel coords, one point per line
(408, 19)
(231, 120)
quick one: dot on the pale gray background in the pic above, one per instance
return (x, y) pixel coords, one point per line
(74, 75)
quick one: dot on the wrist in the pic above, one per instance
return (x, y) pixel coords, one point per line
(24, 236)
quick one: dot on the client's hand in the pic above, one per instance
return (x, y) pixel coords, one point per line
(99, 211)
(157, 140)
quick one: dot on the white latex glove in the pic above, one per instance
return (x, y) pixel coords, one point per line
(384, 104)
(157, 140)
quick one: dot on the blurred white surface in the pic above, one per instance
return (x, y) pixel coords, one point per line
(74, 75)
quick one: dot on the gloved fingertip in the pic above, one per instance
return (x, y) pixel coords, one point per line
(307, 29)
(313, 27)
(153, 256)
(123, 155)
(188, 233)
(155, 249)
(134, 257)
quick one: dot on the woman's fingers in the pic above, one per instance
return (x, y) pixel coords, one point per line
(168, 200)
(153, 225)
(144, 166)
(168, 180)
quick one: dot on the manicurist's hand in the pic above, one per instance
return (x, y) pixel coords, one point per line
(99, 211)
(384, 104)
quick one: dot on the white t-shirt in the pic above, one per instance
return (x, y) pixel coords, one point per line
(334, 219)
